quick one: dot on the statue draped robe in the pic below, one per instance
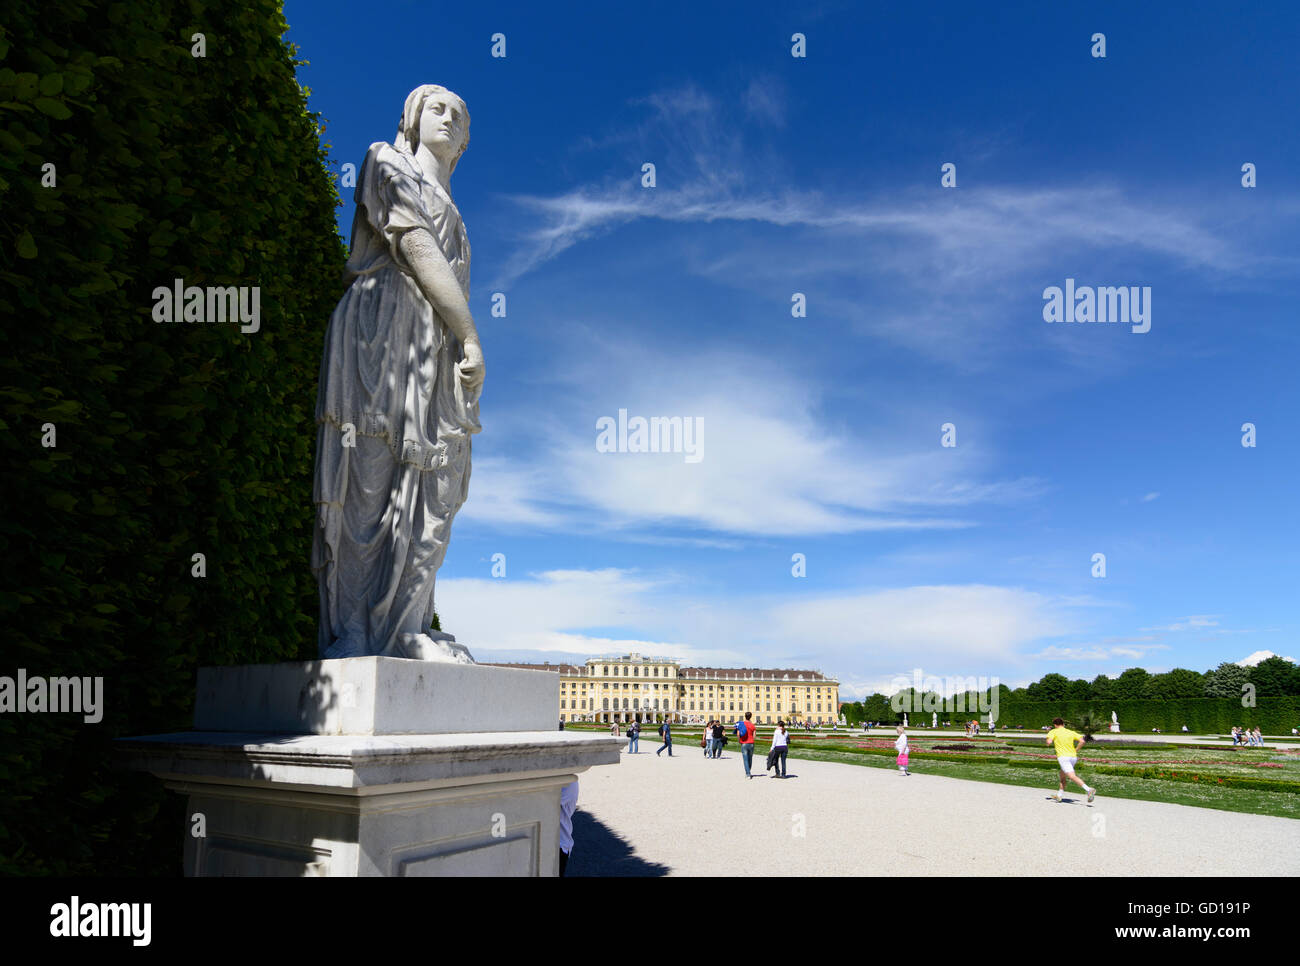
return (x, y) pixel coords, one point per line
(385, 506)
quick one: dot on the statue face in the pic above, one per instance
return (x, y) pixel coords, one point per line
(442, 125)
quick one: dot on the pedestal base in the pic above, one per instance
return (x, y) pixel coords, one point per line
(369, 804)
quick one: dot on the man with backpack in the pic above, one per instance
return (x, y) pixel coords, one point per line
(633, 739)
(745, 729)
(666, 732)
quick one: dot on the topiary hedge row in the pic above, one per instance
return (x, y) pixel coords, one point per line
(170, 438)
(1274, 715)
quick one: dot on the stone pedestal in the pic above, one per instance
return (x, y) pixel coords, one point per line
(372, 766)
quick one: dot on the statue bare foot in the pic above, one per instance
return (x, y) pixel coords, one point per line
(433, 646)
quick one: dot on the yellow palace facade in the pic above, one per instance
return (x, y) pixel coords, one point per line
(653, 689)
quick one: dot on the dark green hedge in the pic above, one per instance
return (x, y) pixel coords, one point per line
(1275, 716)
(172, 439)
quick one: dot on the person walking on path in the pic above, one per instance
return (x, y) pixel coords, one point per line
(719, 739)
(747, 729)
(634, 739)
(707, 740)
(900, 744)
(1067, 744)
(666, 730)
(780, 745)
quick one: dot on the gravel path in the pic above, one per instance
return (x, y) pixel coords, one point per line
(690, 816)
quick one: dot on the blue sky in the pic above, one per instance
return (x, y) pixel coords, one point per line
(822, 435)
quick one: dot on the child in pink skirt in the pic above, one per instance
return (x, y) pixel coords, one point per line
(901, 745)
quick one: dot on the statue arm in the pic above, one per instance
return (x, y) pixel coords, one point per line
(438, 283)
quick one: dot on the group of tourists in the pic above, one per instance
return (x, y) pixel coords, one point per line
(713, 740)
(1247, 736)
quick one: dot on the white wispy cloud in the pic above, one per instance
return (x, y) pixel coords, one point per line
(959, 630)
(771, 464)
(1098, 652)
(913, 265)
(1195, 622)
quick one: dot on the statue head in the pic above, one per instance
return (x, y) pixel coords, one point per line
(414, 128)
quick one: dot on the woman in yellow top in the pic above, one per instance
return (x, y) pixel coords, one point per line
(1067, 743)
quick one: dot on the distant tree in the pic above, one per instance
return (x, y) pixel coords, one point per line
(1225, 681)
(1178, 683)
(876, 708)
(1079, 690)
(1131, 685)
(1272, 676)
(1103, 688)
(1051, 687)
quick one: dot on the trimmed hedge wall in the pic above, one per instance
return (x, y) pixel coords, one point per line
(1275, 716)
(172, 438)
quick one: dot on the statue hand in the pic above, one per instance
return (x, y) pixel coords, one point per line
(471, 368)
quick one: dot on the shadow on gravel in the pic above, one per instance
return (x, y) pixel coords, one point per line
(600, 851)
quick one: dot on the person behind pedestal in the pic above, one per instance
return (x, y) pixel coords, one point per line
(568, 803)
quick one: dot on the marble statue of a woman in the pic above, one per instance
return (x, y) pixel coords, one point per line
(398, 400)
